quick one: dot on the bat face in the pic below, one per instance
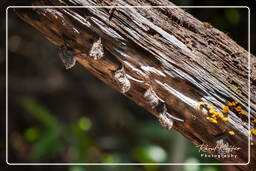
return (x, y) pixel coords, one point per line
(67, 57)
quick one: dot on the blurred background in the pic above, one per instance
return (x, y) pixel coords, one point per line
(58, 115)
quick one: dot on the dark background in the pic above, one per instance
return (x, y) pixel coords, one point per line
(58, 115)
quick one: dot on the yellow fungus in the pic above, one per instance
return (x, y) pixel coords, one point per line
(254, 121)
(232, 103)
(219, 115)
(225, 119)
(225, 109)
(208, 107)
(235, 107)
(212, 111)
(253, 131)
(214, 115)
(201, 103)
(231, 132)
(238, 108)
(242, 113)
(212, 120)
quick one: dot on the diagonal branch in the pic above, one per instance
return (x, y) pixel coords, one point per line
(185, 72)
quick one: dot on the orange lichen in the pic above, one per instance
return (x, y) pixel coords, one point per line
(231, 132)
(254, 121)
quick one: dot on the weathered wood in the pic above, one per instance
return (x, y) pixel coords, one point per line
(165, 51)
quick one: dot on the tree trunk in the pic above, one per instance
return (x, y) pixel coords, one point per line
(163, 59)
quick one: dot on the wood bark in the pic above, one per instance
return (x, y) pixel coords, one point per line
(164, 50)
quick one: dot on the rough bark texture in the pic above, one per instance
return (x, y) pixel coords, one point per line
(168, 52)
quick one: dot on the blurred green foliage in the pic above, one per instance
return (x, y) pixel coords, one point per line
(50, 138)
(232, 15)
(48, 143)
(149, 154)
(32, 134)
